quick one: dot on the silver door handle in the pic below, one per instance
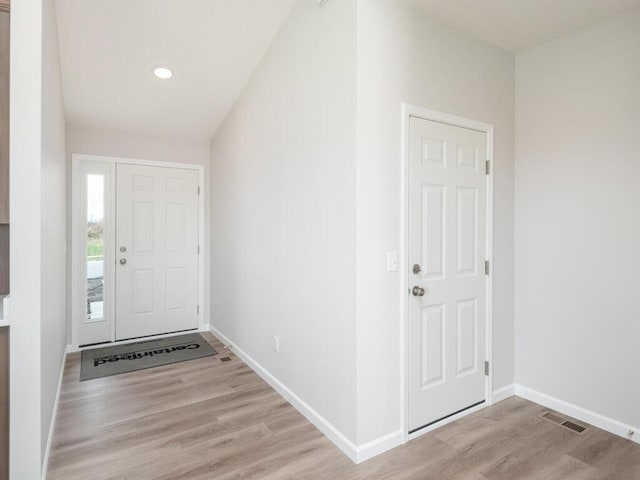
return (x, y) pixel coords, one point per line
(123, 261)
(417, 291)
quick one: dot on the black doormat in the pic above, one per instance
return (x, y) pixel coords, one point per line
(103, 362)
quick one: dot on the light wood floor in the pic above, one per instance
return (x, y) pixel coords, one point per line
(208, 419)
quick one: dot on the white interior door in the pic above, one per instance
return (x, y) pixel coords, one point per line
(447, 247)
(156, 250)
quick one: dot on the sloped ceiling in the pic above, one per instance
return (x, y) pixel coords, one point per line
(109, 49)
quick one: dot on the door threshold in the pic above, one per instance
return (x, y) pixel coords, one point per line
(97, 344)
(442, 421)
(135, 340)
(155, 335)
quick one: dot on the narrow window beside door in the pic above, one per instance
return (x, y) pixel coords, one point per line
(95, 248)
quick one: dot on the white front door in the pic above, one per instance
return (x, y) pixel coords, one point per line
(156, 250)
(447, 283)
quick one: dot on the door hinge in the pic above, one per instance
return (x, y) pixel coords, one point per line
(486, 267)
(198, 189)
(198, 309)
(198, 249)
(487, 167)
(486, 368)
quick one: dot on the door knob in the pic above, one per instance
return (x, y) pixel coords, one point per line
(123, 261)
(416, 269)
(417, 291)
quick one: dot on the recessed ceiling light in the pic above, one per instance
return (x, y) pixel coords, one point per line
(163, 73)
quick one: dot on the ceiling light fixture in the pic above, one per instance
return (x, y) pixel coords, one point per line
(163, 73)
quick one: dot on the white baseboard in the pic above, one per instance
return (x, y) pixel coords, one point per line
(45, 461)
(503, 393)
(378, 446)
(331, 432)
(605, 423)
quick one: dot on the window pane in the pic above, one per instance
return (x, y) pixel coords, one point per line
(95, 247)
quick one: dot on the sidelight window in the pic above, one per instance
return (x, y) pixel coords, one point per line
(95, 247)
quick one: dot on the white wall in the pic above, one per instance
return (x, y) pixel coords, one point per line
(403, 57)
(38, 219)
(83, 139)
(54, 219)
(99, 141)
(577, 229)
(25, 238)
(284, 212)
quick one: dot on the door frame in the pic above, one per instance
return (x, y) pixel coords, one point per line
(409, 111)
(77, 240)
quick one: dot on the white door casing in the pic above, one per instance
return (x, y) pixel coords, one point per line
(447, 238)
(156, 250)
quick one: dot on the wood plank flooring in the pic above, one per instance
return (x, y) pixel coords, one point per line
(208, 419)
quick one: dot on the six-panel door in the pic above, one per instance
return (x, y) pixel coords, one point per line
(447, 242)
(156, 250)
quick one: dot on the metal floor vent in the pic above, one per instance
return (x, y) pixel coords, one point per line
(563, 422)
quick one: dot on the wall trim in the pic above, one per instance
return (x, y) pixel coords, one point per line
(605, 423)
(504, 393)
(45, 461)
(331, 432)
(379, 445)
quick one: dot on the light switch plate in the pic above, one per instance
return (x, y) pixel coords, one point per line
(392, 261)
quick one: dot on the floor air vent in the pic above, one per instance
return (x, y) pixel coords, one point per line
(574, 426)
(563, 422)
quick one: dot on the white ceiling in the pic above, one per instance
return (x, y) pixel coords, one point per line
(109, 49)
(517, 25)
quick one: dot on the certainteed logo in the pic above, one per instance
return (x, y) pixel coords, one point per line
(139, 355)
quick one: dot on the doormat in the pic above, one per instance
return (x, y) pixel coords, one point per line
(107, 361)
